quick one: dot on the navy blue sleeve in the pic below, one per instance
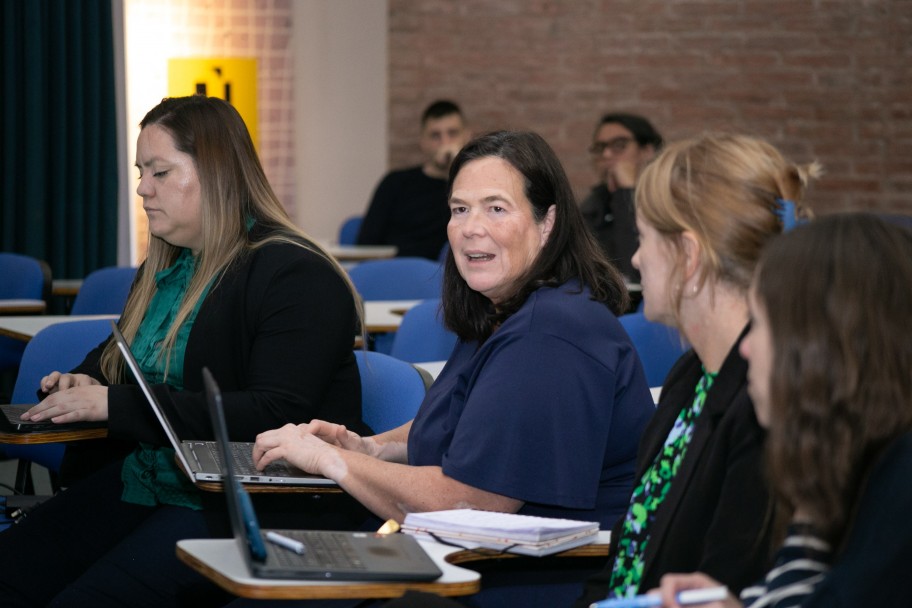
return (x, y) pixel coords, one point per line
(535, 424)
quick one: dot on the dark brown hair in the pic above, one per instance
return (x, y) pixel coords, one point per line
(233, 191)
(837, 294)
(642, 130)
(570, 252)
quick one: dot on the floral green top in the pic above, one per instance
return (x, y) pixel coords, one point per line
(650, 493)
(150, 474)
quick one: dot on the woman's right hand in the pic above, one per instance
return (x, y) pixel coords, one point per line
(339, 436)
(672, 584)
(57, 381)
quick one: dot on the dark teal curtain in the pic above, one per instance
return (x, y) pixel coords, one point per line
(59, 148)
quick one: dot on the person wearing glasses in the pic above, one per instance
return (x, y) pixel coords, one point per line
(621, 146)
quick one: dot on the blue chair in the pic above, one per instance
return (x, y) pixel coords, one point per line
(391, 390)
(104, 291)
(658, 346)
(422, 335)
(61, 347)
(23, 278)
(348, 231)
(398, 279)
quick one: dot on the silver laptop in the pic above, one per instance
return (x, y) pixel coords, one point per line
(312, 554)
(201, 459)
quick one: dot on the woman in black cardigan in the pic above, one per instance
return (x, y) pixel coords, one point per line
(705, 209)
(228, 283)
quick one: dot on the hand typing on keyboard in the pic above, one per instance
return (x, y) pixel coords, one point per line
(303, 449)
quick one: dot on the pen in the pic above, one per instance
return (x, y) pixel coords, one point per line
(691, 596)
(285, 542)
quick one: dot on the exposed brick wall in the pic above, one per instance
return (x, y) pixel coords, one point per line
(260, 29)
(822, 79)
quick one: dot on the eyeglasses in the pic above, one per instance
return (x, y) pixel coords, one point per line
(616, 145)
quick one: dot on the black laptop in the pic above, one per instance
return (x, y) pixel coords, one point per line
(312, 554)
(10, 421)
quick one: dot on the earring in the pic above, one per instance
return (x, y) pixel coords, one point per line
(696, 289)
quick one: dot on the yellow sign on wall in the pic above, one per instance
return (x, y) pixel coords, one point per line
(231, 79)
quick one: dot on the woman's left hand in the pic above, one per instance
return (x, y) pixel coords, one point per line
(76, 404)
(301, 448)
(672, 584)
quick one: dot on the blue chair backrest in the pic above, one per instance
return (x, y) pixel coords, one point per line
(23, 278)
(60, 347)
(658, 346)
(398, 279)
(391, 390)
(422, 335)
(104, 291)
(348, 231)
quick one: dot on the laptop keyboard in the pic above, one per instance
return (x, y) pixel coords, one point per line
(242, 453)
(325, 550)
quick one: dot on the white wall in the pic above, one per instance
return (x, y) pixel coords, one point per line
(340, 109)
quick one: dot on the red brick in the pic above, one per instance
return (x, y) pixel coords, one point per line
(828, 79)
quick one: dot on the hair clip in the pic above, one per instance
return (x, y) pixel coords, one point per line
(785, 210)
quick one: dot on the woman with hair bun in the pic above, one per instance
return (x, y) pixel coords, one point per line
(706, 208)
(831, 379)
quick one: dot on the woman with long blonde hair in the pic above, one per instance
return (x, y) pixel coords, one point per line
(229, 283)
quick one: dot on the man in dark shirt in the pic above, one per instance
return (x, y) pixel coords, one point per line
(621, 145)
(409, 208)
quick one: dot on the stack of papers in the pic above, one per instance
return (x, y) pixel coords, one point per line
(523, 534)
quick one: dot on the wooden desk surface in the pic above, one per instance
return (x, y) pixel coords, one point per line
(361, 253)
(22, 307)
(65, 287)
(383, 316)
(380, 316)
(260, 488)
(220, 561)
(52, 436)
(432, 367)
(24, 328)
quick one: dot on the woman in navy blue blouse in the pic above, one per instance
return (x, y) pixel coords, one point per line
(541, 404)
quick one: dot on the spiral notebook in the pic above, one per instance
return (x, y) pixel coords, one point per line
(508, 532)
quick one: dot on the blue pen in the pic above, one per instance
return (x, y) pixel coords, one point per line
(689, 597)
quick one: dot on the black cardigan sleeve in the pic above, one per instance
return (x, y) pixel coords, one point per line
(276, 331)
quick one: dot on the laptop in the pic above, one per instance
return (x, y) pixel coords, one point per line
(201, 460)
(312, 554)
(10, 421)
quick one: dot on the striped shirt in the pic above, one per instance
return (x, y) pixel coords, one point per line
(801, 564)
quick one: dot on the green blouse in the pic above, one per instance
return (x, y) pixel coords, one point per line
(150, 474)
